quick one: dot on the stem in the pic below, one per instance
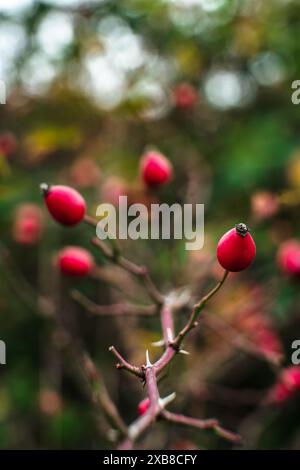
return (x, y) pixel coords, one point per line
(123, 364)
(119, 309)
(141, 272)
(192, 323)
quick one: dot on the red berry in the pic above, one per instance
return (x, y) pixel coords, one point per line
(8, 143)
(65, 204)
(236, 249)
(143, 406)
(264, 205)
(155, 169)
(185, 96)
(28, 224)
(287, 384)
(75, 261)
(288, 257)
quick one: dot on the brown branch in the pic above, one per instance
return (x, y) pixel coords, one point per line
(202, 424)
(100, 395)
(123, 364)
(237, 339)
(187, 421)
(192, 322)
(119, 309)
(141, 272)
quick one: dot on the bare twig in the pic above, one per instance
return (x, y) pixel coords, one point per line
(119, 309)
(123, 364)
(192, 322)
(141, 272)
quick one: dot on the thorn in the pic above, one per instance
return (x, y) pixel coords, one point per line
(158, 343)
(163, 402)
(182, 351)
(148, 362)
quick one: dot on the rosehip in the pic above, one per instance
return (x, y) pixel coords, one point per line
(75, 261)
(288, 257)
(264, 205)
(28, 224)
(287, 384)
(112, 189)
(143, 406)
(155, 169)
(85, 173)
(236, 249)
(8, 143)
(65, 204)
(185, 96)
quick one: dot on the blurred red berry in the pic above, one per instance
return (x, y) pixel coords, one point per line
(287, 384)
(8, 143)
(155, 169)
(85, 173)
(236, 249)
(28, 224)
(261, 331)
(50, 402)
(75, 261)
(185, 96)
(143, 406)
(288, 257)
(65, 204)
(112, 189)
(264, 205)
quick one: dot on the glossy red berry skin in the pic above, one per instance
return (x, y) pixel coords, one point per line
(75, 261)
(65, 204)
(288, 257)
(155, 169)
(143, 406)
(236, 249)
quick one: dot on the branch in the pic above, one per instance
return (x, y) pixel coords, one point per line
(192, 322)
(123, 364)
(100, 395)
(119, 309)
(141, 272)
(137, 428)
(202, 424)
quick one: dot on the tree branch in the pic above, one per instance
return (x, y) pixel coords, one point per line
(119, 309)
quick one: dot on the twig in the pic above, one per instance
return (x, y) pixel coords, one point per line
(192, 322)
(119, 309)
(100, 395)
(202, 424)
(141, 272)
(123, 364)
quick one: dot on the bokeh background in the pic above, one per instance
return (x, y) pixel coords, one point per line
(90, 86)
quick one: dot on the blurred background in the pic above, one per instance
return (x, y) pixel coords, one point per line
(90, 85)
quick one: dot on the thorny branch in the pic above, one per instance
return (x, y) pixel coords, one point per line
(172, 345)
